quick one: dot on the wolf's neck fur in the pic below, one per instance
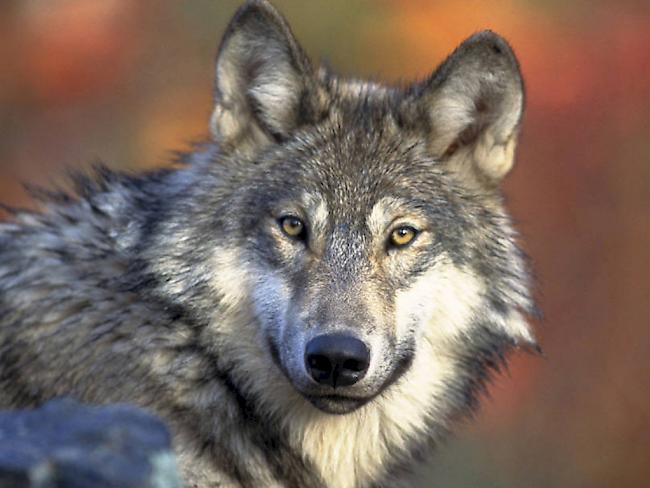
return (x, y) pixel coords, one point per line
(356, 449)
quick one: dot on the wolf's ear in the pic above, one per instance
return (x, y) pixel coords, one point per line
(473, 104)
(265, 86)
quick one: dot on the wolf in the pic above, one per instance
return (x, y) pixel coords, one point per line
(311, 298)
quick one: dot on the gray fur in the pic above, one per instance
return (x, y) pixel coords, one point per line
(177, 290)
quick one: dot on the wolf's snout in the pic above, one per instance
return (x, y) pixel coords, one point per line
(336, 359)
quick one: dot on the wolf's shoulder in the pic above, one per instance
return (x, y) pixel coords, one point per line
(86, 233)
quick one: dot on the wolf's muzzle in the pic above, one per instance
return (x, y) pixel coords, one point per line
(337, 359)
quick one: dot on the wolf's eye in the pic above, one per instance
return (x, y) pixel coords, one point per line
(292, 227)
(402, 236)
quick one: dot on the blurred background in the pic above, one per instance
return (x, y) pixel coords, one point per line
(129, 82)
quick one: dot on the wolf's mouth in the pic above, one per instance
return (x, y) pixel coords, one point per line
(341, 404)
(336, 404)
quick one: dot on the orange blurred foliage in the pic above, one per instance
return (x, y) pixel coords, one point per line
(564, 63)
(76, 48)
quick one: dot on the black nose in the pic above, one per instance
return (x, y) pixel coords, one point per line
(336, 359)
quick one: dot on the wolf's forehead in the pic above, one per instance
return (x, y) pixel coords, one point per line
(375, 214)
(356, 172)
(341, 228)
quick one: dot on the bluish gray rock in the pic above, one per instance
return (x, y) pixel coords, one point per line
(65, 444)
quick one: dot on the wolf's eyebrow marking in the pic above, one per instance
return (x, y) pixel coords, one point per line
(316, 207)
(382, 214)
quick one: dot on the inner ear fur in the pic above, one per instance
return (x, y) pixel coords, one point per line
(473, 104)
(265, 85)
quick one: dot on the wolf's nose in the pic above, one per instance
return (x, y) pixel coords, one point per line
(336, 359)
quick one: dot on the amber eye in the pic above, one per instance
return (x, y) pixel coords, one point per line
(403, 236)
(292, 226)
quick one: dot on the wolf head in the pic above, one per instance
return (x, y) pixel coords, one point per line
(346, 228)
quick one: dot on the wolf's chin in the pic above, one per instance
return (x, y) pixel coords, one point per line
(336, 404)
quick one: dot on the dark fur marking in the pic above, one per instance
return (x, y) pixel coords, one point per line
(12, 382)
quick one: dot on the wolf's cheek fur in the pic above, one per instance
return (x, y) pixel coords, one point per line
(440, 303)
(229, 278)
(270, 329)
(238, 280)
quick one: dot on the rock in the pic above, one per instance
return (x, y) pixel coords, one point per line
(65, 444)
